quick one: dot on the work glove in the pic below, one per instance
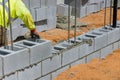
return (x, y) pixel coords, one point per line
(34, 34)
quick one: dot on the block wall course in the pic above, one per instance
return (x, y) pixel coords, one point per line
(70, 56)
(38, 51)
(114, 36)
(55, 74)
(48, 77)
(43, 3)
(107, 50)
(51, 64)
(93, 55)
(80, 61)
(10, 61)
(35, 4)
(1, 71)
(41, 13)
(11, 77)
(115, 45)
(30, 73)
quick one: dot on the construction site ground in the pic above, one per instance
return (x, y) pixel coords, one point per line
(97, 69)
(93, 21)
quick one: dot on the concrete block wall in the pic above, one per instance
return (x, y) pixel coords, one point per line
(90, 7)
(60, 1)
(62, 9)
(40, 10)
(40, 60)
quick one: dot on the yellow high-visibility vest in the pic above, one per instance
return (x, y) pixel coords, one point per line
(18, 10)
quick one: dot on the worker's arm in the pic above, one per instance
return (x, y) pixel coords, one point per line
(23, 13)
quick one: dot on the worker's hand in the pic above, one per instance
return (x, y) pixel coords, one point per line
(35, 34)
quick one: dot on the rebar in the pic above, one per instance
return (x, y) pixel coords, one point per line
(105, 13)
(115, 13)
(69, 22)
(110, 13)
(10, 24)
(1, 35)
(4, 20)
(75, 21)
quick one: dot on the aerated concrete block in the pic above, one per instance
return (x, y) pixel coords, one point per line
(16, 23)
(51, 64)
(1, 72)
(118, 23)
(51, 3)
(86, 48)
(107, 50)
(35, 4)
(51, 22)
(93, 1)
(16, 31)
(56, 73)
(11, 77)
(119, 44)
(33, 13)
(41, 13)
(63, 45)
(24, 30)
(39, 49)
(100, 38)
(15, 59)
(115, 45)
(31, 73)
(42, 27)
(62, 9)
(83, 11)
(43, 3)
(70, 56)
(25, 75)
(36, 71)
(113, 34)
(81, 61)
(51, 12)
(91, 8)
(83, 50)
(48, 77)
(60, 1)
(93, 55)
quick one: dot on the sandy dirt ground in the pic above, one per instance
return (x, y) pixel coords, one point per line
(93, 21)
(107, 69)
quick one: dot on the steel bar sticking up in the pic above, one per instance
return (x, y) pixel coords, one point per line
(1, 31)
(105, 13)
(110, 12)
(10, 24)
(4, 20)
(75, 21)
(115, 13)
(68, 21)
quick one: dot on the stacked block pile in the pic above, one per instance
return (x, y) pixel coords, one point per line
(83, 10)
